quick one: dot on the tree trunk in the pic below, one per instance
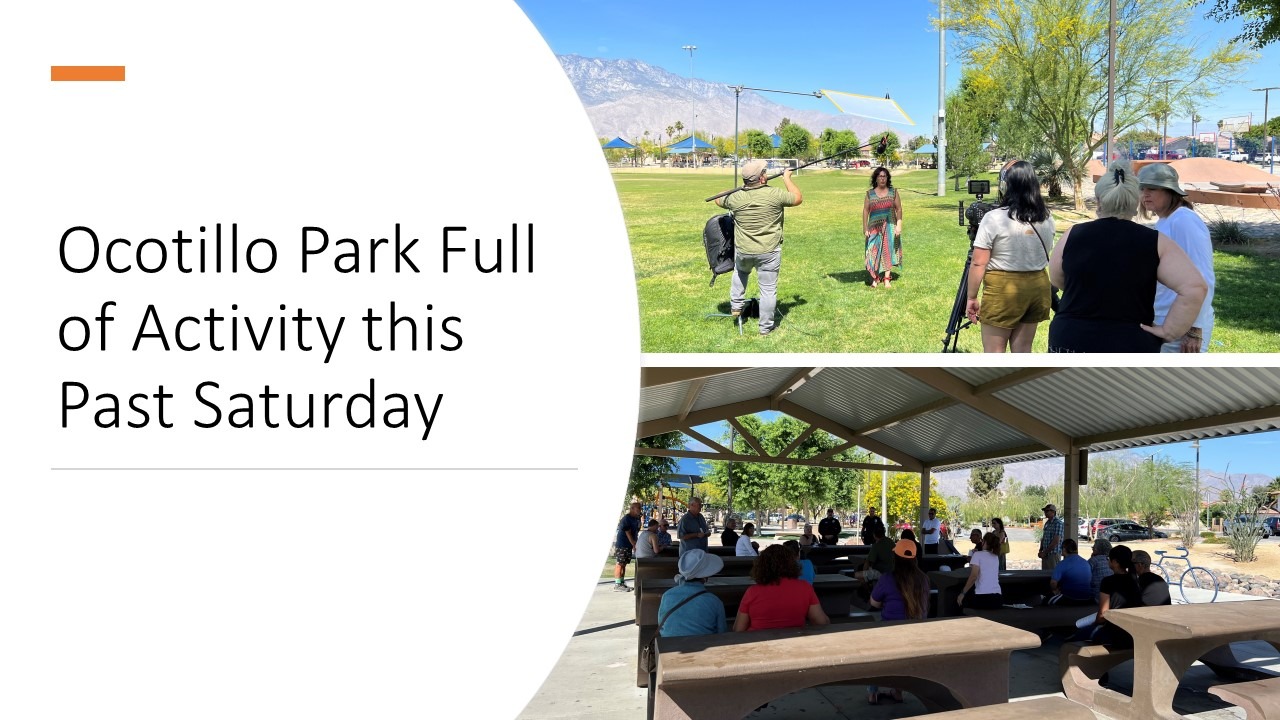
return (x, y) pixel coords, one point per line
(1077, 187)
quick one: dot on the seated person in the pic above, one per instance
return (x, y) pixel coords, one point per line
(687, 608)
(982, 588)
(1099, 565)
(975, 537)
(909, 534)
(1154, 589)
(808, 539)
(1071, 578)
(904, 595)
(1118, 590)
(807, 572)
(729, 538)
(779, 599)
(880, 559)
(744, 546)
(647, 541)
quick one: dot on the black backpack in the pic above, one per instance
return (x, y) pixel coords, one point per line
(717, 239)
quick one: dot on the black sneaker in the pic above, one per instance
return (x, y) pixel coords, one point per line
(621, 587)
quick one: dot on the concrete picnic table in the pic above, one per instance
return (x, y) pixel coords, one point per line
(1167, 639)
(1014, 584)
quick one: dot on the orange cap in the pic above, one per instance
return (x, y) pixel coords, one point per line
(905, 549)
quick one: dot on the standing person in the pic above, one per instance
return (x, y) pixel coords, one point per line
(1099, 566)
(869, 525)
(997, 527)
(692, 528)
(687, 608)
(779, 599)
(829, 528)
(904, 595)
(624, 546)
(757, 236)
(744, 547)
(984, 577)
(932, 529)
(1108, 269)
(1071, 578)
(729, 538)
(1010, 254)
(1164, 197)
(882, 226)
(1051, 538)
(647, 541)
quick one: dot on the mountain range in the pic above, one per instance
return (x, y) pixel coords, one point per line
(624, 98)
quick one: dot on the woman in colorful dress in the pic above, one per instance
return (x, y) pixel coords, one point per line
(882, 226)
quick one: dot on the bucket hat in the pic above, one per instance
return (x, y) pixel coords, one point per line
(1160, 175)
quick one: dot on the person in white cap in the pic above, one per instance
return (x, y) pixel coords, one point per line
(1163, 196)
(1051, 539)
(757, 236)
(687, 608)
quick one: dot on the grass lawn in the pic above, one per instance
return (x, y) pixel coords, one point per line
(824, 294)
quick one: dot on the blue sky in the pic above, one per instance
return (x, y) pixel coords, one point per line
(816, 44)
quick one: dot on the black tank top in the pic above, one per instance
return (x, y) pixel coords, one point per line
(1109, 266)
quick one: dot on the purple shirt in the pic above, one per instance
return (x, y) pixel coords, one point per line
(894, 606)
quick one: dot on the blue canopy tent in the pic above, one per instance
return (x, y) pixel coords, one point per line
(618, 144)
(926, 150)
(776, 139)
(688, 145)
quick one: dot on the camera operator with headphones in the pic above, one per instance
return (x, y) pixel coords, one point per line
(1010, 255)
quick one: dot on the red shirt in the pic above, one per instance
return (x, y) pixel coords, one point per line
(778, 606)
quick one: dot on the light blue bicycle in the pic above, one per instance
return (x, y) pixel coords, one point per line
(1195, 576)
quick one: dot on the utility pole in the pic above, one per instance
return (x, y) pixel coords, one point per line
(1266, 102)
(1196, 525)
(1111, 85)
(942, 98)
(693, 122)
(1165, 131)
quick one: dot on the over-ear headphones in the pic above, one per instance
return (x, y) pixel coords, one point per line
(1004, 181)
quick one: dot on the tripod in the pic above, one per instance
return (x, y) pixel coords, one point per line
(957, 321)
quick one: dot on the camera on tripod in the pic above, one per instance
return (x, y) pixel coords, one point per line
(977, 208)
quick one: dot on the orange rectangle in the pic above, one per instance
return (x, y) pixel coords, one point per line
(65, 73)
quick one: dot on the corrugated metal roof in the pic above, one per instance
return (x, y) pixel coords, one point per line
(1107, 408)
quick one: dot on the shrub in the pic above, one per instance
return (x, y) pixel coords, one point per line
(1208, 535)
(1215, 540)
(1228, 232)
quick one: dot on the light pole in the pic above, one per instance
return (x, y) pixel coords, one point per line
(1165, 131)
(693, 103)
(1266, 102)
(942, 98)
(1196, 525)
(737, 93)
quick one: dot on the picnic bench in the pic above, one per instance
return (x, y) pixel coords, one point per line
(1046, 707)
(1259, 698)
(1037, 618)
(673, 550)
(1167, 639)
(835, 592)
(709, 677)
(1015, 585)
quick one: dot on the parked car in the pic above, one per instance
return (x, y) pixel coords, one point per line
(1084, 528)
(1266, 159)
(1223, 155)
(1124, 531)
(1101, 524)
(1239, 157)
(1270, 525)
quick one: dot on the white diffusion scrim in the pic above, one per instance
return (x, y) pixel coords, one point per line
(223, 571)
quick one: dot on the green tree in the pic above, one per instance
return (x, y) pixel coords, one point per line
(679, 127)
(966, 125)
(1160, 488)
(782, 125)
(795, 142)
(984, 480)
(833, 142)
(1050, 56)
(647, 471)
(917, 142)
(1261, 19)
(758, 144)
(891, 149)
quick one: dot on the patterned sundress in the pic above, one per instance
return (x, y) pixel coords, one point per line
(883, 250)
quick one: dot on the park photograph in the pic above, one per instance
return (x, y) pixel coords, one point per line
(912, 184)
(885, 542)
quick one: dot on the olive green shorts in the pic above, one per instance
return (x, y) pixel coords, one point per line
(1012, 298)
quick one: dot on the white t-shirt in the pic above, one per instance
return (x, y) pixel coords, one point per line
(1013, 244)
(743, 548)
(1186, 229)
(928, 538)
(988, 572)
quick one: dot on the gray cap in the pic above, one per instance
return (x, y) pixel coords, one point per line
(1141, 556)
(1160, 175)
(696, 564)
(753, 169)
(1102, 546)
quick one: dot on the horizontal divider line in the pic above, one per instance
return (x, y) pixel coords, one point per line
(306, 469)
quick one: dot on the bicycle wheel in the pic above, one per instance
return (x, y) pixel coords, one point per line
(1163, 573)
(1199, 578)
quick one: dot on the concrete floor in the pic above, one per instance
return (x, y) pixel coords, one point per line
(595, 677)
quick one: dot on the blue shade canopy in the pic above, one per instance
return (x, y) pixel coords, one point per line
(926, 150)
(776, 139)
(688, 144)
(618, 144)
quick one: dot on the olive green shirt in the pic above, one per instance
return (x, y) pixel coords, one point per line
(757, 218)
(881, 557)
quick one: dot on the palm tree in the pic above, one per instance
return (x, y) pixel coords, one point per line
(1051, 172)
